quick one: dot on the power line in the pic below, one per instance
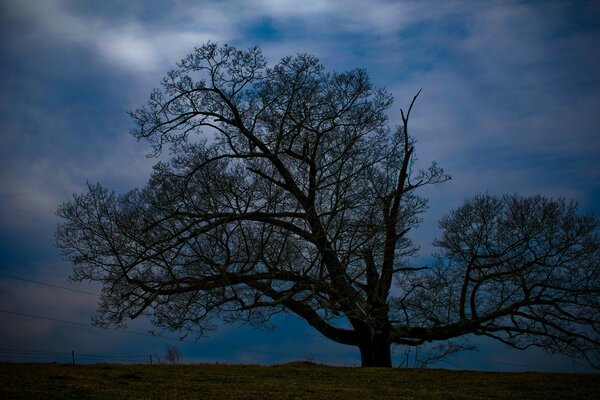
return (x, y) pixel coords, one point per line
(138, 333)
(50, 353)
(501, 363)
(54, 355)
(205, 344)
(31, 351)
(49, 285)
(98, 295)
(492, 362)
(128, 358)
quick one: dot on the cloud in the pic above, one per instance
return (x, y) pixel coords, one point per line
(505, 97)
(31, 190)
(129, 44)
(346, 16)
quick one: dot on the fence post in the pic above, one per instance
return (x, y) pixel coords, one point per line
(73, 356)
(150, 359)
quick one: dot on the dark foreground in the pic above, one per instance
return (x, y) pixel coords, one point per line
(292, 381)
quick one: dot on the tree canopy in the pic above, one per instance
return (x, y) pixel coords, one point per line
(287, 191)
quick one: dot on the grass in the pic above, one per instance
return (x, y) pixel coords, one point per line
(290, 381)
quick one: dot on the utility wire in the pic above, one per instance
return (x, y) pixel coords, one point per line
(98, 295)
(502, 363)
(217, 345)
(49, 285)
(138, 333)
(31, 351)
(41, 354)
(50, 353)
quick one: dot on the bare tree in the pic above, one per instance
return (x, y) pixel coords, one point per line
(301, 202)
(172, 355)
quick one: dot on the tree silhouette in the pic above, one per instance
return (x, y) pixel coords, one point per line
(172, 355)
(288, 192)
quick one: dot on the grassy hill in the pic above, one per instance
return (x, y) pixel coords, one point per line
(290, 381)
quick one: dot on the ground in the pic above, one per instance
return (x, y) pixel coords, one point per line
(291, 381)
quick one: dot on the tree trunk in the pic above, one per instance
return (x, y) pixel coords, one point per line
(375, 353)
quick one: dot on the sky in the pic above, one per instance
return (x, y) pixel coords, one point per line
(510, 104)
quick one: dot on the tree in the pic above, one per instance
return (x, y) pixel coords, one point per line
(172, 355)
(302, 202)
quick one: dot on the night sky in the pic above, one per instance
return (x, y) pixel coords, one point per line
(510, 104)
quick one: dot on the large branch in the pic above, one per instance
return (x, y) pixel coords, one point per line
(304, 311)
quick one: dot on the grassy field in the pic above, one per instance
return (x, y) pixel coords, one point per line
(291, 381)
